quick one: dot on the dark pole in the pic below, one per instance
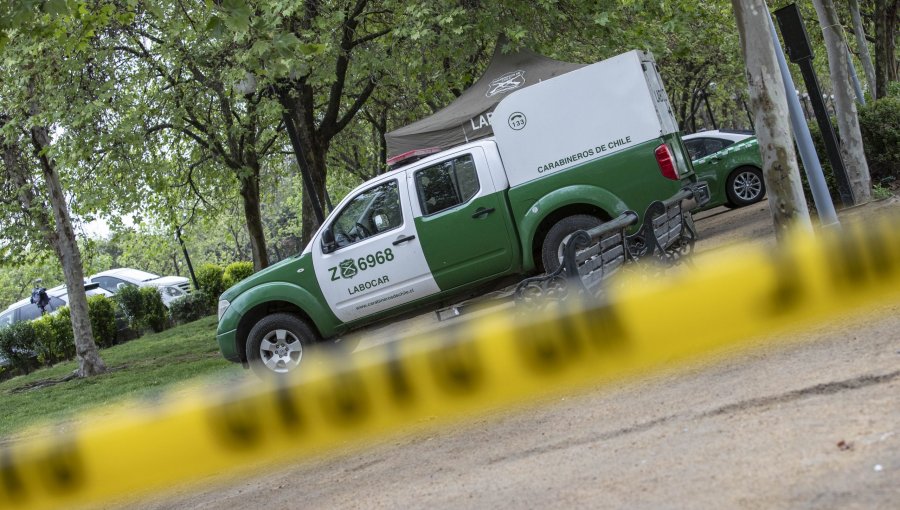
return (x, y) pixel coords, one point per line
(827, 130)
(304, 168)
(747, 111)
(709, 112)
(794, 33)
(187, 258)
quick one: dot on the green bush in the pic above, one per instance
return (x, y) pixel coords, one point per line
(17, 345)
(131, 302)
(210, 279)
(235, 272)
(54, 340)
(155, 313)
(102, 312)
(879, 123)
(190, 308)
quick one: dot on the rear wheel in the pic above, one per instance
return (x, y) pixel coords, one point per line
(745, 186)
(552, 247)
(275, 345)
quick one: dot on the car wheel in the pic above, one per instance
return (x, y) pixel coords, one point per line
(745, 186)
(552, 247)
(276, 344)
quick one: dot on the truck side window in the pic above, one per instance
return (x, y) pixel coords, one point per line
(447, 184)
(109, 283)
(372, 212)
(702, 147)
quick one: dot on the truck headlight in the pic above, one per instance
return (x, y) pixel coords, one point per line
(223, 305)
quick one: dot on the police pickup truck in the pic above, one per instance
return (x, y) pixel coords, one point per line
(567, 153)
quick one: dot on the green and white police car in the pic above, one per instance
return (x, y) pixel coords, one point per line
(566, 154)
(731, 165)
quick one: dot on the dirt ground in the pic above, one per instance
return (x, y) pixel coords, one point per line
(814, 423)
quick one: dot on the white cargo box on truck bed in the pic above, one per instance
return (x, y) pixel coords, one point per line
(585, 114)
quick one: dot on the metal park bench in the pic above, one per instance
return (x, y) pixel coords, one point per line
(668, 232)
(592, 256)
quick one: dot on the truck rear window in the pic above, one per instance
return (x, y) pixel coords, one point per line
(447, 184)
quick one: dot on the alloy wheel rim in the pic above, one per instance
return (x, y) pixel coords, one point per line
(747, 186)
(280, 351)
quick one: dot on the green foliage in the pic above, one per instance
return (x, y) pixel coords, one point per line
(54, 340)
(155, 313)
(880, 192)
(17, 345)
(879, 123)
(235, 272)
(131, 302)
(16, 281)
(143, 307)
(210, 279)
(192, 307)
(102, 312)
(150, 365)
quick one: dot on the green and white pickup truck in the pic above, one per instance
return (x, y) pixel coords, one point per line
(567, 153)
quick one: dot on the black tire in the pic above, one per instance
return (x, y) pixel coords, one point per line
(745, 186)
(551, 249)
(276, 343)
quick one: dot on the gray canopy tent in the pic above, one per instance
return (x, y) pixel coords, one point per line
(467, 118)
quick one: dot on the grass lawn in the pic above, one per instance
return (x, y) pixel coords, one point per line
(141, 368)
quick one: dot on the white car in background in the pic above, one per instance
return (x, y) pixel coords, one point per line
(25, 310)
(170, 287)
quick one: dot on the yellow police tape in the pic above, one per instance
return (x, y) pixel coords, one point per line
(474, 367)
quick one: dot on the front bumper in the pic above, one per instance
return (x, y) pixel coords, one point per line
(228, 345)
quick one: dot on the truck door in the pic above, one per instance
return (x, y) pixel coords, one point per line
(462, 219)
(374, 261)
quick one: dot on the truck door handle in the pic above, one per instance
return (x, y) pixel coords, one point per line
(401, 240)
(482, 212)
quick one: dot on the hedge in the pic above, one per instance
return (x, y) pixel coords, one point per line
(210, 278)
(153, 310)
(16, 344)
(191, 307)
(102, 312)
(235, 272)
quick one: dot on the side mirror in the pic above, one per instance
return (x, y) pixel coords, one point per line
(328, 244)
(380, 221)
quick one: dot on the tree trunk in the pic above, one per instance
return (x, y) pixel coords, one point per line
(89, 361)
(315, 156)
(253, 216)
(885, 53)
(769, 105)
(863, 46)
(844, 105)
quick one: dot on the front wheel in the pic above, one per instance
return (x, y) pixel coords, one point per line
(552, 247)
(745, 186)
(275, 345)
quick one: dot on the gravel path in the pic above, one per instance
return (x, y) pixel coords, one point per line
(809, 423)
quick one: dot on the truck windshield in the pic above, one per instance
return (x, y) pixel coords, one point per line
(371, 212)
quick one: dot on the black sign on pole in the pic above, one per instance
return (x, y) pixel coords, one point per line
(793, 31)
(187, 257)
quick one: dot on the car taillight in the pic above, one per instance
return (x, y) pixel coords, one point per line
(666, 162)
